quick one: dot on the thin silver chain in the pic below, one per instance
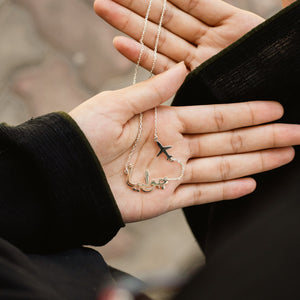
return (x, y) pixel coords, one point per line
(140, 128)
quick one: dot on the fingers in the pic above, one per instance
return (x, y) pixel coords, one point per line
(244, 140)
(286, 3)
(223, 117)
(211, 12)
(195, 194)
(227, 167)
(132, 24)
(148, 94)
(175, 20)
(216, 186)
(131, 49)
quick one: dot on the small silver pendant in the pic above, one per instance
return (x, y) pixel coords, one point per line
(148, 186)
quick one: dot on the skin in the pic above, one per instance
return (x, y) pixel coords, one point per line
(193, 30)
(220, 144)
(287, 2)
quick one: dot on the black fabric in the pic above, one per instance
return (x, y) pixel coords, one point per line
(260, 261)
(263, 65)
(54, 199)
(76, 274)
(54, 194)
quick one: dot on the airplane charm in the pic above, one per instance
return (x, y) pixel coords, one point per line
(164, 150)
(150, 185)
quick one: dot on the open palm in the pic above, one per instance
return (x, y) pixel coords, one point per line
(193, 30)
(218, 144)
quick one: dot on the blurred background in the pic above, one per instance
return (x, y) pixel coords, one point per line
(54, 54)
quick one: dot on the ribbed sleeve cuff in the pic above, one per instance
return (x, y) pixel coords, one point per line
(85, 209)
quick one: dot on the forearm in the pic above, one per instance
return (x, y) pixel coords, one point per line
(53, 191)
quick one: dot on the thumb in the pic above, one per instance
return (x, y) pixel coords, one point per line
(152, 92)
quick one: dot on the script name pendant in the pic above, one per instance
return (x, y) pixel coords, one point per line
(148, 186)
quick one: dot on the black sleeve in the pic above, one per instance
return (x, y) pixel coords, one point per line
(54, 193)
(262, 65)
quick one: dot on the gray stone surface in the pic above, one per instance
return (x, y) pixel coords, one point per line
(50, 86)
(87, 43)
(264, 8)
(163, 246)
(54, 54)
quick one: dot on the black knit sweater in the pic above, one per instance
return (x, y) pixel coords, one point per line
(54, 199)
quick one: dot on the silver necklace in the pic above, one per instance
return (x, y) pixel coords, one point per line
(150, 185)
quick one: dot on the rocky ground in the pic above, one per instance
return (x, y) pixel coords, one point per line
(54, 54)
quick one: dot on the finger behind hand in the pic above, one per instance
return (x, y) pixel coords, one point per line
(175, 20)
(132, 24)
(131, 50)
(223, 117)
(211, 12)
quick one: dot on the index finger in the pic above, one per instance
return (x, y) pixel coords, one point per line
(223, 117)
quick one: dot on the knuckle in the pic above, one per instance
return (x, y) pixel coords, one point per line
(145, 56)
(125, 24)
(192, 4)
(236, 142)
(273, 133)
(162, 39)
(224, 168)
(165, 67)
(168, 16)
(252, 115)
(130, 3)
(195, 147)
(191, 174)
(262, 161)
(200, 34)
(218, 118)
(197, 194)
(224, 191)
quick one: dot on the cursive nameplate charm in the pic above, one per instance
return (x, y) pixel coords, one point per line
(148, 186)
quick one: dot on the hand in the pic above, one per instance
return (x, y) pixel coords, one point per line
(193, 31)
(218, 143)
(286, 3)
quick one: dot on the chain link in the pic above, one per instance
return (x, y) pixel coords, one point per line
(130, 165)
